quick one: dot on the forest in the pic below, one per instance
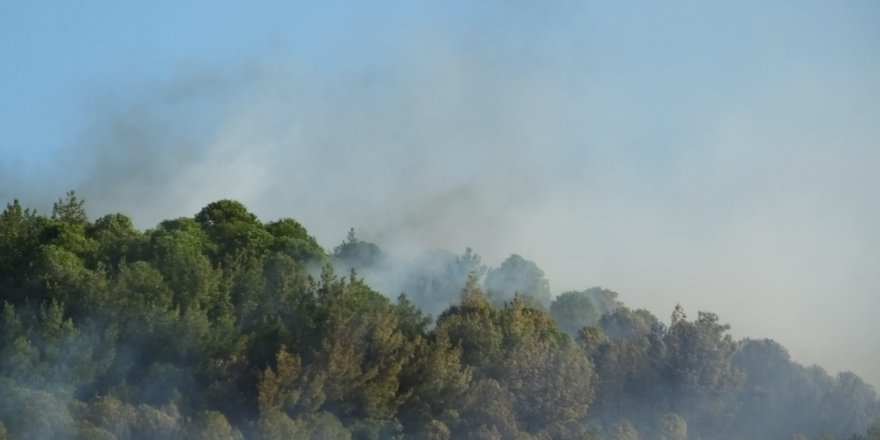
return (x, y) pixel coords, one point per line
(224, 326)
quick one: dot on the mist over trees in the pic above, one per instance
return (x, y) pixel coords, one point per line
(222, 326)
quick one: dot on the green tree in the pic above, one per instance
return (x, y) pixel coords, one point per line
(153, 423)
(29, 413)
(472, 326)
(117, 240)
(70, 209)
(20, 231)
(516, 275)
(289, 298)
(236, 232)
(215, 327)
(574, 311)
(551, 384)
(626, 381)
(67, 227)
(179, 250)
(412, 321)
(211, 425)
(360, 352)
(487, 413)
(624, 323)
(852, 405)
(278, 426)
(699, 369)
(768, 392)
(324, 426)
(292, 239)
(436, 382)
(279, 388)
(434, 280)
(113, 415)
(355, 253)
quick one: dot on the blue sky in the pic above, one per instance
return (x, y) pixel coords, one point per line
(719, 156)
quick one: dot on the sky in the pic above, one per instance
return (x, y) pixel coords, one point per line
(720, 155)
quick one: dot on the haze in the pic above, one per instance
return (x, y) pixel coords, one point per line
(720, 157)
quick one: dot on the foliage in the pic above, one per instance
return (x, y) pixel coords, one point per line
(220, 326)
(516, 275)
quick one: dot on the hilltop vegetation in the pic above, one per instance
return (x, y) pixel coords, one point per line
(221, 326)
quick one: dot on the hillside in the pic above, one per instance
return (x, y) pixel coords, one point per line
(223, 326)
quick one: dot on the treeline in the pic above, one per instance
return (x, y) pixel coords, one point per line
(221, 326)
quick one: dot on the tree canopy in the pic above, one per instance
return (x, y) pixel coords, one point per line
(222, 326)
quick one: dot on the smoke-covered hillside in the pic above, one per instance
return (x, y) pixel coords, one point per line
(223, 326)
